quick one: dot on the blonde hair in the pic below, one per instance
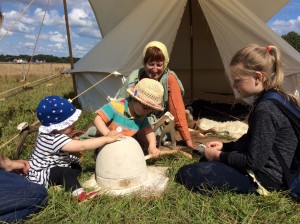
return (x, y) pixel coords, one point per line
(267, 60)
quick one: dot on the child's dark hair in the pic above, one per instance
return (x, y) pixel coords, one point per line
(267, 60)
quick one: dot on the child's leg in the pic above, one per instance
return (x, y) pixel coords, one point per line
(65, 176)
(19, 197)
(203, 176)
(68, 177)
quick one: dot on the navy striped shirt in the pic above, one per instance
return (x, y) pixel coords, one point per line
(46, 155)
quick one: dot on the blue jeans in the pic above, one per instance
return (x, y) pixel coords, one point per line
(19, 197)
(202, 177)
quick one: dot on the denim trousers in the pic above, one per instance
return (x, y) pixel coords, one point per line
(19, 197)
(202, 177)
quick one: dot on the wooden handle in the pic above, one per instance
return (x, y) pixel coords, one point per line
(169, 152)
(186, 154)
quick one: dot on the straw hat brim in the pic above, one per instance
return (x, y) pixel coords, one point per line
(155, 184)
(155, 107)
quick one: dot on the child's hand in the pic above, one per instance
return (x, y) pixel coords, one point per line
(112, 133)
(215, 144)
(112, 138)
(20, 166)
(154, 151)
(212, 153)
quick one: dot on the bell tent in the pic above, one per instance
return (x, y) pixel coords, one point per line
(201, 37)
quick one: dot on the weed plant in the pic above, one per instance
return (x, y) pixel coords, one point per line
(176, 205)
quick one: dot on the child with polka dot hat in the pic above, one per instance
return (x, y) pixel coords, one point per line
(51, 162)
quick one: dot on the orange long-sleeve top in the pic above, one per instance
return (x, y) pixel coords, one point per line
(177, 108)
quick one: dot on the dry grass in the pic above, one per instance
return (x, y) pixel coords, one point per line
(10, 69)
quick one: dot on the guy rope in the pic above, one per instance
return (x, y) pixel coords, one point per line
(24, 78)
(70, 100)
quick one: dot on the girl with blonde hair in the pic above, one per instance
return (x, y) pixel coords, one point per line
(256, 72)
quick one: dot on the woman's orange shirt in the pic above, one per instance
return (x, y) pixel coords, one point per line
(177, 108)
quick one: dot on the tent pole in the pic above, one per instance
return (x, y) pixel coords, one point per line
(191, 51)
(69, 44)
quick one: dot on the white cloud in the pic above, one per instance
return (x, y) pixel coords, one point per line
(28, 44)
(283, 27)
(80, 18)
(59, 46)
(13, 21)
(89, 32)
(79, 48)
(52, 38)
(30, 36)
(21, 27)
(11, 15)
(51, 17)
(57, 37)
(4, 32)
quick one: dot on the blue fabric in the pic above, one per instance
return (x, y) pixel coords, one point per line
(273, 95)
(295, 188)
(202, 177)
(54, 110)
(19, 197)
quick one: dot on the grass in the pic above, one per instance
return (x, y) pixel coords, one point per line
(176, 205)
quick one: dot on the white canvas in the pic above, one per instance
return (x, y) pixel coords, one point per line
(219, 29)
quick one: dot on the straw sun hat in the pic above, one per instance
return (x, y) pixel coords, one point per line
(121, 169)
(149, 92)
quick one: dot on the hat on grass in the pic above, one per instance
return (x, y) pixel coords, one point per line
(56, 113)
(149, 92)
(121, 169)
(163, 49)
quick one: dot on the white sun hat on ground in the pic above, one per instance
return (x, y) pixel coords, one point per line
(121, 169)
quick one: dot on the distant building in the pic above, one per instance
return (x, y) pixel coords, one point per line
(20, 61)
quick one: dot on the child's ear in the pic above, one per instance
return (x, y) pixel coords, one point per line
(258, 77)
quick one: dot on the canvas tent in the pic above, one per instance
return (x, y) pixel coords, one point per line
(201, 36)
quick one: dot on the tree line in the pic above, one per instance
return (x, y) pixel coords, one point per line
(292, 38)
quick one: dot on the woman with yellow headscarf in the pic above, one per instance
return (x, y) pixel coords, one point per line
(155, 66)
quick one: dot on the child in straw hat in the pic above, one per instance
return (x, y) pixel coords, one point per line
(129, 115)
(51, 162)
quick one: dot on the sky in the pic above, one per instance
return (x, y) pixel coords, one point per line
(22, 25)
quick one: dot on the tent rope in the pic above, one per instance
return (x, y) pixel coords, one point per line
(32, 86)
(6, 143)
(88, 89)
(70, 100)
(25, 76)
(42, 23)
(27, 84)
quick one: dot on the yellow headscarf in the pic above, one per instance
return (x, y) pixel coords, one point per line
(162, 47)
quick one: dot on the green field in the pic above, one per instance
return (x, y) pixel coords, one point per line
(176, 205)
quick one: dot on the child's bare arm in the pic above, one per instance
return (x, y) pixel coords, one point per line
(101, 126)
(88, 144)
(152, 144)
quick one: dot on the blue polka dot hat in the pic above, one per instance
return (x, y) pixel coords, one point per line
(56, 113)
